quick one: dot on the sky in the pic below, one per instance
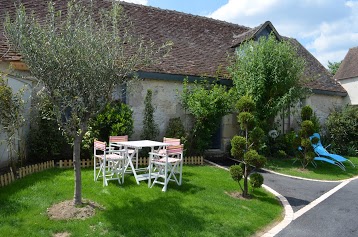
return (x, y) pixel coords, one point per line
(327, 28)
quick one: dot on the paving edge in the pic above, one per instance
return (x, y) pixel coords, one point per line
(301, 178)
(289, 215)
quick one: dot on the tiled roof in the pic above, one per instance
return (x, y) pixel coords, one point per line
(349, 65)
(200, 45)
(317, 76)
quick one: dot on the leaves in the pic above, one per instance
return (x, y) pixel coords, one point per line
(208, 103)
(269, 71)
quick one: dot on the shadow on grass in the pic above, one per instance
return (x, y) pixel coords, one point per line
(163, 216)
(260, 195)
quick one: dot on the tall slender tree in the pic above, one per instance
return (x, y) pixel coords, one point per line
(79, 56)
(270, 71)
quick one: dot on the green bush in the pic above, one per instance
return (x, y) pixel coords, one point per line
(256, 180)
(45, 139)
(115, 120)
(254, 159)
(238, 147)
(150, 128)
(306, 113)
(175, 128)
(342, 130)
(281, 154)
(236, 172)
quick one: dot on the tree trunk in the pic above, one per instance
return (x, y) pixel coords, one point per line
(246, 188)
(77, 169)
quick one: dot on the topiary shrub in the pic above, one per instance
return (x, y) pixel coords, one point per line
(256, 180)
(242, 148)
(303, 143)
(238, 147)
(150, 128)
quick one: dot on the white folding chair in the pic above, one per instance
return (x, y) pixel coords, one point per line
(169, 166)
(110, 165)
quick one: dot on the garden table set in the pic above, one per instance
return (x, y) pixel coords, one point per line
(121, 157)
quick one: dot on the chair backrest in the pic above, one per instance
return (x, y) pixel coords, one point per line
(118, 138)
(171, 141)
(98, 145)
(175, 149)
(316, 135)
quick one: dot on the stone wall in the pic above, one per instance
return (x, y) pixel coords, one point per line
(16, 80)
(165, 100)
(351, 86)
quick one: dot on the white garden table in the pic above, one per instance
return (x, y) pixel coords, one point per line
(136, 145)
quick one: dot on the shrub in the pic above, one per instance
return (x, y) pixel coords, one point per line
(175, 128)
(45, 139)
(306, 113)
(208, 103)
(150, 128)
(238, 147)
(281, 154)
(241, 149)
(236, 172)
(256, 180)
(115, 120)
(342, 130)
(254, 159)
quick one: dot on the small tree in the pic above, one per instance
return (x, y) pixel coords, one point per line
(242, 146)
(270, 71)
(208, 103)
(79, 58)
(150, 128)
(306, 153)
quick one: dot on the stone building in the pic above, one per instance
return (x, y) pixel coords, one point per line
(347, 75)
(201, 47)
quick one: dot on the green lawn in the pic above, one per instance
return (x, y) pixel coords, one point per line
(200, 207)
(324, 171)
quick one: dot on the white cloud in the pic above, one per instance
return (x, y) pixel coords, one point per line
(328, 28)
(143, 2)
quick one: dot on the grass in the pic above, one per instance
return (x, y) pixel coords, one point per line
(324, 171)
(200, 207)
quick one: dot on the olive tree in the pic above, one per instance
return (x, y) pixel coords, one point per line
(269, 70)
(79, 56)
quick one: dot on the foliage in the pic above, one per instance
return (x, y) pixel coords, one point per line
(256, 180)
(115, 120)
(11, 118)
(175, 128)
(150, 128)
(303, 143)
(254, 159)
(80, 55)
(342, 130)
(41, 146)
(308, 114)
(238, 147)
(269, 71)
(241, 148)
(208, 103)
(333, 67)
